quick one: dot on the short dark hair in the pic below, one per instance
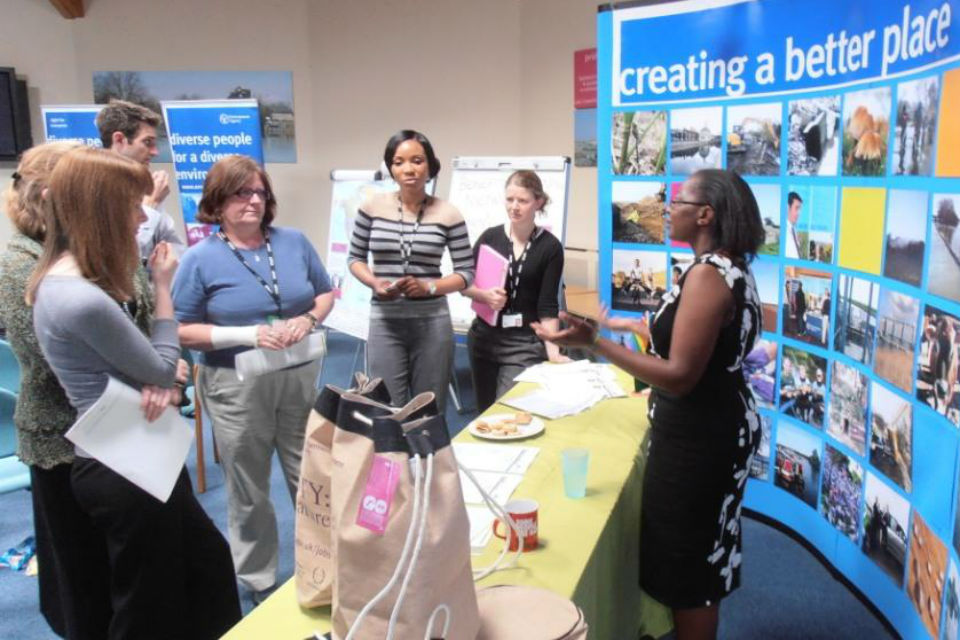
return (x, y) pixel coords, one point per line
(792, 197)
(224, 179)
(125, 117)
(433, 165)
(737, 228)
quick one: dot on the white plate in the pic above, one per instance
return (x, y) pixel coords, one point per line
(523, 430)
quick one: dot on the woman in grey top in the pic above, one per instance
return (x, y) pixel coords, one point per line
(170, 573)
(410, 345)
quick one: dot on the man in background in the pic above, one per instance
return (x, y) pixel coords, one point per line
(794, 203)
(131, 130)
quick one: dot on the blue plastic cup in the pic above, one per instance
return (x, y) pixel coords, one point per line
(575, 464)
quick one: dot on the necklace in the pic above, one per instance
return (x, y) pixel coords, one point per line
(406, 246)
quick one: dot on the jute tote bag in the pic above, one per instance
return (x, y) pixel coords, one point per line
(402, 532)
(313, 548)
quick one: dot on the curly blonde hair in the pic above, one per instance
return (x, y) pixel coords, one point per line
(23, 198)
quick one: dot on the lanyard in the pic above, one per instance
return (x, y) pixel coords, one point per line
(406, 246)
(516, 267)
(274, 292)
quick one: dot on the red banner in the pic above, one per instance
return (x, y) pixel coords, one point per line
(585, 79)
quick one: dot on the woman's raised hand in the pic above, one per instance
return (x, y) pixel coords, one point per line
(636, 325)
(163, 264)
(578, 332)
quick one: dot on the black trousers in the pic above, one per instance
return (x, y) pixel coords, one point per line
(72, 562)
(497, 356)
(171, 575)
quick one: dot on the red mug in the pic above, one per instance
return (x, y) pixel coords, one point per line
(524, 515)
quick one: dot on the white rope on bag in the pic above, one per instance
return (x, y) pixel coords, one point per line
(500, 512)
(427, 635)
(391, 628)
(417, 491)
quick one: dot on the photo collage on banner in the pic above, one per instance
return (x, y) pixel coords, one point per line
(855, 167)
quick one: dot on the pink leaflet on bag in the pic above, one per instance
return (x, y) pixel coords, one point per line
(378, 495)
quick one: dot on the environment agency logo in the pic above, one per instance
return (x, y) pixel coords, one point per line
(227, 118)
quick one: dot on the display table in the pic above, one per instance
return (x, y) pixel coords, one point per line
(589, 547)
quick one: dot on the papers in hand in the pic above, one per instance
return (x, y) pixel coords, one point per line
(257, 362)
(115, 432)
(491, 274)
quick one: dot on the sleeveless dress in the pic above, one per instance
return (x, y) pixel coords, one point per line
(700, 450)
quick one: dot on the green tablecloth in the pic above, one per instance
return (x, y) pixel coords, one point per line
(589, 546)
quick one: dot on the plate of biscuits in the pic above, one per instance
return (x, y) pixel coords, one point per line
(506, 426)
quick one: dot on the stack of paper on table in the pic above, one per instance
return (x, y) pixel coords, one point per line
(566, 389)
(148, 454)
(499, 470)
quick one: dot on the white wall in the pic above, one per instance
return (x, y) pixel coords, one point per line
(479, 78)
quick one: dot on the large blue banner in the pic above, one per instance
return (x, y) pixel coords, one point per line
(844, 119)
(202, 132)
(72, 122)
(739, 48)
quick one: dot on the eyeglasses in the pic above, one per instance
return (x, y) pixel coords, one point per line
(247, 194)
(666, 209)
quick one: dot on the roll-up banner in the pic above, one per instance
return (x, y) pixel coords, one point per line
(75, 123)
(201, 132)
(844, 119)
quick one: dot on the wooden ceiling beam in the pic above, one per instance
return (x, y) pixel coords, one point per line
(69, 9)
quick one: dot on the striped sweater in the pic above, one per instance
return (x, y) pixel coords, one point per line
(378, 231)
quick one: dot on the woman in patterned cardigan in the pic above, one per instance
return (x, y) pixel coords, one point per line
(71, 556)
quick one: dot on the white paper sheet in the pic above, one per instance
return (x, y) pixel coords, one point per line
(481, 527)
(148, 454)
(494, 457)
(500, 486)
(549, 405)
(256, 362)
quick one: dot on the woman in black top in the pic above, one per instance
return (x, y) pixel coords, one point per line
(499, 353)
(705, 427)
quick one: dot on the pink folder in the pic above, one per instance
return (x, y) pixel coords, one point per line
(491, 273)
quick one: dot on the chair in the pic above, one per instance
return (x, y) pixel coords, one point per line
(13, 473)
(9, 368)
(192, 389)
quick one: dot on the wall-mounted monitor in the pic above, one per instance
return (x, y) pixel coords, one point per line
(15, 136)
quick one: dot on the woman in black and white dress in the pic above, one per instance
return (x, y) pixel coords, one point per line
(705, 428)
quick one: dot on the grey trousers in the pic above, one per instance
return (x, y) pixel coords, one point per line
(252, 419)
(412, 355)
(497, 356)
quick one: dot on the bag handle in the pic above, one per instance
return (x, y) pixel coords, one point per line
(407, 543)
(500, 512)
(418, 520)
(424, 511)
(433, 617)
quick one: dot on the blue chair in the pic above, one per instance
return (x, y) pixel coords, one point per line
(9, 368)
(13, 473)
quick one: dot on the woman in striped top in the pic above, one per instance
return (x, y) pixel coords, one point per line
(410, 343)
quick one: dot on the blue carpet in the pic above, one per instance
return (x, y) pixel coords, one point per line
(786, 592)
